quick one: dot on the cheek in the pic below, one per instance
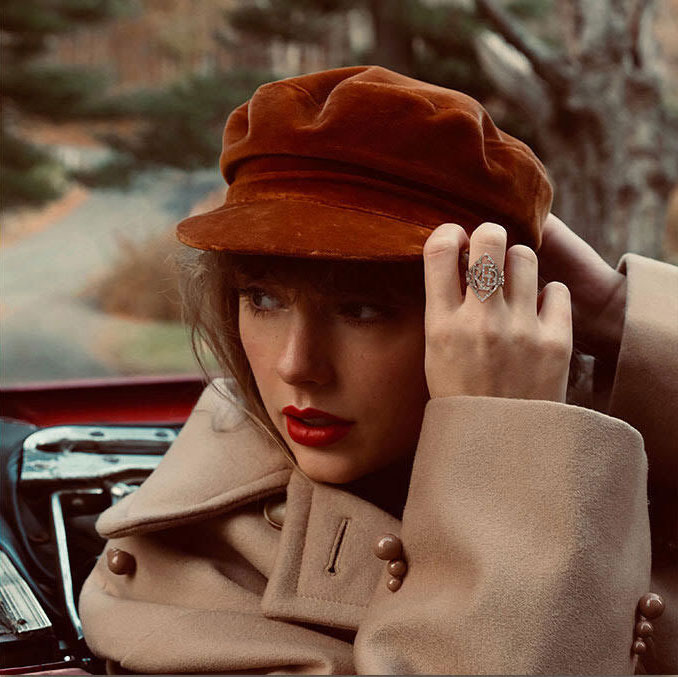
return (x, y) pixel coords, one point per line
(258, 346)
(403, 360)
(393, 377)
(247, 337)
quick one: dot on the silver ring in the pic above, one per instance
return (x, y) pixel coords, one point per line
(484, 277)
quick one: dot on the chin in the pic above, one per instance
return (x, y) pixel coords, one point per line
(321, 467)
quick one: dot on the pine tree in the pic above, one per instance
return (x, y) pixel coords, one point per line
(431, 41)
(179, 125)
(32, 88)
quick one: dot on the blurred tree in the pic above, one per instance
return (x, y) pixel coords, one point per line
(178, 126)
(433, 41)
(601, 125)
(33, 88)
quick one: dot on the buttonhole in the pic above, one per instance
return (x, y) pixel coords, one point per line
(332, 565)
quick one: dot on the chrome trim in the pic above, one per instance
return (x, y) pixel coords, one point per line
(92, 452)
(121, 489)
(20, 611)
(63, 558)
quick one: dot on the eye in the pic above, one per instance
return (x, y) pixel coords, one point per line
(259, 300)
(364, 313)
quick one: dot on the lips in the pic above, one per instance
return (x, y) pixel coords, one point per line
(315, 428)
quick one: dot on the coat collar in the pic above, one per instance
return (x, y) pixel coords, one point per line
(219, 461)
(325, 570)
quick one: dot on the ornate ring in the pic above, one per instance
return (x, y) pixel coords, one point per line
(484, 277)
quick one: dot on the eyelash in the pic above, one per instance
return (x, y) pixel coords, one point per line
(384, 312)
(247, 294)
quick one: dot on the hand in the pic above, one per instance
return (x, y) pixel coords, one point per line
(514, 344)
(598, 291)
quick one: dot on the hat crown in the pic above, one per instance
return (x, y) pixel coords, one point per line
(364, 163)
(390, 123)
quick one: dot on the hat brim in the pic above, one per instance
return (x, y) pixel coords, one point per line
(304, 229)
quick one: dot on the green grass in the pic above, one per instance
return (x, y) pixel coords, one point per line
(153, 348)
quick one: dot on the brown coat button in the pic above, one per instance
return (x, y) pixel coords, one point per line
(644, 628)
(388, 547)
(394, 584)
(397, 568)
(651, 605)
(639, 647)
(120, 562)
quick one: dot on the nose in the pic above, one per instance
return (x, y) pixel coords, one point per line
(305, 357)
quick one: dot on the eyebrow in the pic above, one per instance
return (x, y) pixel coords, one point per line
(342, 287)
(368, 297)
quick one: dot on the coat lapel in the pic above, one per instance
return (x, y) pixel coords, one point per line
(219, 462)
(325, 570)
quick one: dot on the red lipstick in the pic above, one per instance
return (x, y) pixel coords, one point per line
(317, 429)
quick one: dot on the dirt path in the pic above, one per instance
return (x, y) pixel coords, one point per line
(46, 331)
(29, 222)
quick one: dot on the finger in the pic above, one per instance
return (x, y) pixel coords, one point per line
(441, 267)
(520, 288)
(554, 305)
(488, 238)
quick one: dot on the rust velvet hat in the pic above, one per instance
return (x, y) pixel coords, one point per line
(363, 163)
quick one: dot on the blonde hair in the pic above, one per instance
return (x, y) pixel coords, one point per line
(210, 286)
(210, 312)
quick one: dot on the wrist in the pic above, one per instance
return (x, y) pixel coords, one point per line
(602, 330)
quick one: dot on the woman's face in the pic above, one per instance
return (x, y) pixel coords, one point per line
(348, 355)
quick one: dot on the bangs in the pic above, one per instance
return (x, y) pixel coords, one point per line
(392, 282)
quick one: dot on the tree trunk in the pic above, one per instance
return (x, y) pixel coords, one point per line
(392, 36)
(601, 128)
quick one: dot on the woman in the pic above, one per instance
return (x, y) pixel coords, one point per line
(417, 402)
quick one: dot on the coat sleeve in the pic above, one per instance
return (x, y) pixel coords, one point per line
(527, 542)
(526, 528)
(643, 390)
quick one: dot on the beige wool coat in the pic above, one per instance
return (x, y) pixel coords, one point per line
(526, 534)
